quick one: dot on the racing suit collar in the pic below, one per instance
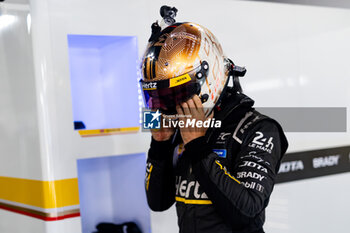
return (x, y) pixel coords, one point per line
(232, 108)
(231, 104)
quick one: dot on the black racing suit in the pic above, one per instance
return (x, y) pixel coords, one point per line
(222, 182)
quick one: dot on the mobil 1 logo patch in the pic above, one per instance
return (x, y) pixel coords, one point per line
(253, 185)
(262, 143)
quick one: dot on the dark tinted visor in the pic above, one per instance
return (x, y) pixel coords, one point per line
(166, 94)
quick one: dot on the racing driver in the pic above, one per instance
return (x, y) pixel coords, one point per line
(220, 178)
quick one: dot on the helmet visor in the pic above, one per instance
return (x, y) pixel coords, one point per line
(167, 94)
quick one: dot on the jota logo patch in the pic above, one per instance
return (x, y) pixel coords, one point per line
(220, 152)
(151, 119)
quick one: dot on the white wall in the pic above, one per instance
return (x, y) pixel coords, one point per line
(18, 115)
(301, 52)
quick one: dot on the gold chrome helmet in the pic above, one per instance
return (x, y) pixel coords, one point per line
(180, 61)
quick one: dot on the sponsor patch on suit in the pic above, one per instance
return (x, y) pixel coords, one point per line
(220, 152)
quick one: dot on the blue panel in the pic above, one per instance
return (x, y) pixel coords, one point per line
(111, 189)
(104, 86)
